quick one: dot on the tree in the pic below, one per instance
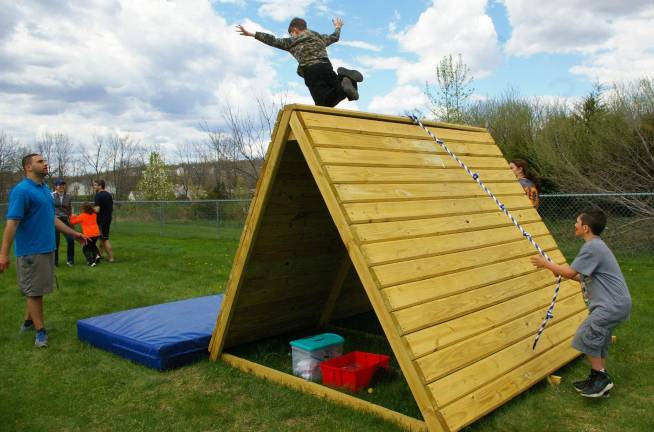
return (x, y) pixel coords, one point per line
(448, 104)
(155, 183)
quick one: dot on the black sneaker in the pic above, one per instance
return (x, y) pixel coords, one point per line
(598, 386)
(352, 74)
(349, 89)
(581, 385)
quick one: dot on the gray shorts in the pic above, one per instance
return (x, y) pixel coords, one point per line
(593, 336)
(35, 274)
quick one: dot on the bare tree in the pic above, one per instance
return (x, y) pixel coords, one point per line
(448, 104)
(58, 150)
(95, 155)
(11, 153)
(125, 154)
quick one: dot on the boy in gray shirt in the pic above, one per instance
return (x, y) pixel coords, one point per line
(609, 301)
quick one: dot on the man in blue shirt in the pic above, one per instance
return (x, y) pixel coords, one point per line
(31, 221)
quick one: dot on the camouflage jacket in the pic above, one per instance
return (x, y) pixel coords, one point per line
(308, 48)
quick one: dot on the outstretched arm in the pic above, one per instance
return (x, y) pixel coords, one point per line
(268, 39)
(334, 37)
(559, 270)
(243, 32)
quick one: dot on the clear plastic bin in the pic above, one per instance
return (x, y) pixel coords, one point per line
(308, 353)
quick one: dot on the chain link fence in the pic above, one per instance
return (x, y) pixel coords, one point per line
(630, 228)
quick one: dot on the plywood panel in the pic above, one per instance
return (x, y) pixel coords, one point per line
(390, 192)
(439, 336)
(353, 174)
(421, 268)
(400, 250)
(459, 145)
(339, 156)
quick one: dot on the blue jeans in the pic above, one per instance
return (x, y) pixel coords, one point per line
(70, 245)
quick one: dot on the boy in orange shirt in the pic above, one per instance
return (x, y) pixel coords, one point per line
(89, 222)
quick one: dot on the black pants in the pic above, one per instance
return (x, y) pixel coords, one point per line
(324, 84)
(70, 244)
(90, 250)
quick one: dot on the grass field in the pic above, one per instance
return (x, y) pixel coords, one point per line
(71, 386)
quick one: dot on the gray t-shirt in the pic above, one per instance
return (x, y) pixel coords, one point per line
(605, 285)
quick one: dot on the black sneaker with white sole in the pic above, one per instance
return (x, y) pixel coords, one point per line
(349, 89)
(352, 74)
(599, 385)
(581, 385)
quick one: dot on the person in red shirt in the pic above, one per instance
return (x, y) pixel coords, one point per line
(89, 221)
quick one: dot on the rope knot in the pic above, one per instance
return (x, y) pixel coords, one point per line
(475, 176)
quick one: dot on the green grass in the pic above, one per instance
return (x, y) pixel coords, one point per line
(71, 386)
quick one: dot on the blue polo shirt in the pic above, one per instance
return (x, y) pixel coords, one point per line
(31, 204)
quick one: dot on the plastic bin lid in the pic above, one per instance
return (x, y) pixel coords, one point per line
(317, 342)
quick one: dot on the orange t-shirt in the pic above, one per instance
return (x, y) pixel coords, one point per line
(89, 224)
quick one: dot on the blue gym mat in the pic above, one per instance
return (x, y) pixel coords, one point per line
(162, 336)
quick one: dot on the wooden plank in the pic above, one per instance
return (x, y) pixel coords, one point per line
(358, 157)
(266, 290)
(422, 268)
(439, 336)
(353, 174)
(423, 398)
(458, 384)
(393, 230)
(381, 117)
(400, 250)
(283, 266)
(447, 360)
(249, 234)
(335, 291)
(340, 398)
(443, 309)
(460, 146)
(413, 293)
(387, 128)
(478, 403)
(360, 192)
(399, 210)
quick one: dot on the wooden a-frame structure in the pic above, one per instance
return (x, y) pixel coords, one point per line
(356, 211)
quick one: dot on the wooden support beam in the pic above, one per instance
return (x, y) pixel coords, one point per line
(409, 423)
(335, 290)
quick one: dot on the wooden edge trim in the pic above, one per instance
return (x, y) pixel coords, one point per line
(383, 117)
(250, 231)
(409, 423)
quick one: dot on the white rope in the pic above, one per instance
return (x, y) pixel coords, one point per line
(475, 176)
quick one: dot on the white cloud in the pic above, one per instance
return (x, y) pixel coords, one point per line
(450, 27)
(402, 99)
(614, 37)
(281, 10)
(154, 68)
(382, 63)
(361, 44)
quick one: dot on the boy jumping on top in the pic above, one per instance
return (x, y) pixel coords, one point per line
(310, 50)
(609, 300)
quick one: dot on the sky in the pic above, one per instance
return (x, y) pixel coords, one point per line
(161, 69)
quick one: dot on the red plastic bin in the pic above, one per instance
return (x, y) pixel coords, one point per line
(353, 370)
